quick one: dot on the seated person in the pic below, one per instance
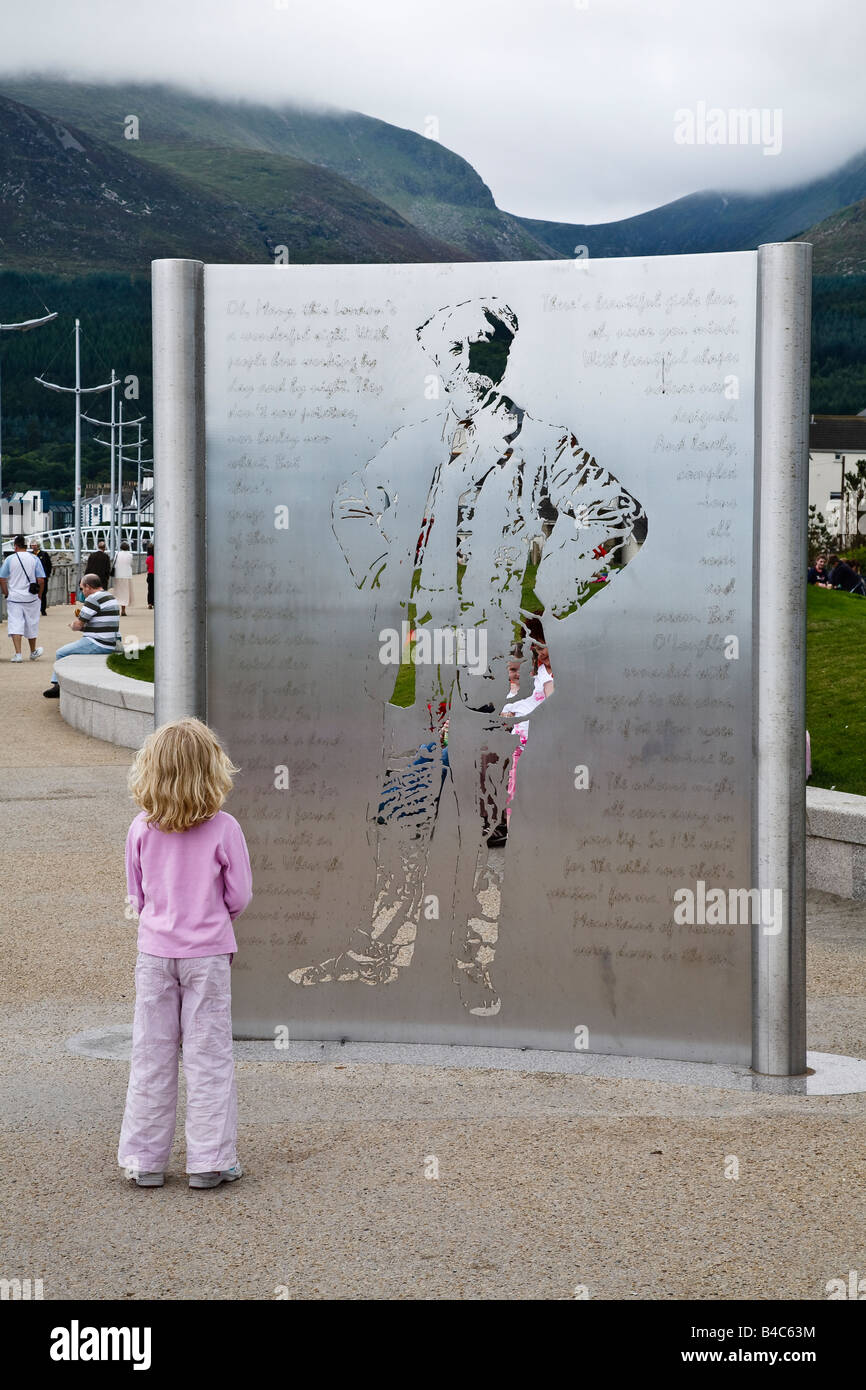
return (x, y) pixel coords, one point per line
(818, 573)
(842, 576)
(98, 621)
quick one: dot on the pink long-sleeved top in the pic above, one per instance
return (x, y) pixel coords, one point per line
(188, 886)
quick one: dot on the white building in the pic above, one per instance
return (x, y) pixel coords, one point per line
(24, 512)
(836, 442)
(96, 510)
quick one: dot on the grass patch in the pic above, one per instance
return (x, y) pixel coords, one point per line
(140, 668)
(835, 692)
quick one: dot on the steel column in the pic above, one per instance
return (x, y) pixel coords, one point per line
(179, 489)
(782, 482)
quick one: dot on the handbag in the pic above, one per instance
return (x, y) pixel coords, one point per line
(34, 586)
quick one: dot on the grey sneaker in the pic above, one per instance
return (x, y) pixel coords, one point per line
(214, 1179)
(36, 653)
(148, 1179)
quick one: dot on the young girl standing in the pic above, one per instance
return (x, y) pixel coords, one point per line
(188, 877)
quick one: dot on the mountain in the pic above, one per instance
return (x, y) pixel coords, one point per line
(428, 185)
(72, 200)
(237, 149)
(712, 221)
(840, 242)
(318, 216)
(67, 199)
(83, 210)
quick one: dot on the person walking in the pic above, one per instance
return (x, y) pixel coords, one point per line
(122, 571)
(149, 568)
(99, 562)
(22, 582)
(45, 561)
(98, 621)
(188, 877)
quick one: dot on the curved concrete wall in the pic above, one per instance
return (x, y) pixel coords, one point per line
(104, 704)
(836, 842)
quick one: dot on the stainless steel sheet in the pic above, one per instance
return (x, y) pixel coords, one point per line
(443, 460)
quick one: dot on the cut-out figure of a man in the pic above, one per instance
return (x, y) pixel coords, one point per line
(438, 529)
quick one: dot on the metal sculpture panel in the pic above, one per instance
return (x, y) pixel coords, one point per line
(479, 636)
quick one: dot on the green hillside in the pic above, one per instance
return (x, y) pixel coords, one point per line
(66, 200)
(840, 242)
(69, 200)
(320, 218)
(428, 185)
(431, 187)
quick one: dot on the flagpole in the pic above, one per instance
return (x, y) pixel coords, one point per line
(78, 391)
(23, 327)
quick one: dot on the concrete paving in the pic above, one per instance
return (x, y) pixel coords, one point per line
(545, 1182)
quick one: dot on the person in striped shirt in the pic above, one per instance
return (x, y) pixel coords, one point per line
(98, 622)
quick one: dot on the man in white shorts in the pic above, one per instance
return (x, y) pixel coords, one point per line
(18, 573)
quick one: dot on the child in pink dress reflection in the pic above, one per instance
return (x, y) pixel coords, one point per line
(542, 689)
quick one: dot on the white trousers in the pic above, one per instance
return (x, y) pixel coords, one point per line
(178, 1002)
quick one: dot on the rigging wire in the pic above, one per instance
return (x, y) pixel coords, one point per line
(16, 270)
(56, 353)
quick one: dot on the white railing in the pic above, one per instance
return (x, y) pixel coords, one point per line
(64, 537)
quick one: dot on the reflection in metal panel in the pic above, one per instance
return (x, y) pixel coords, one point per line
(478, 539)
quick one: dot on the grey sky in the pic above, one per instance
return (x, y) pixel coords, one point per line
(565, 107)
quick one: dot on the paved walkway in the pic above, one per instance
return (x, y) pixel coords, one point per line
(24, 712)
(545, 1182)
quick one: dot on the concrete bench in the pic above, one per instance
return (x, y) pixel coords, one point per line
(836, 842)
(102, 703)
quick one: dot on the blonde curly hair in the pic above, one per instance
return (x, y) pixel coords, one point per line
(181, 775)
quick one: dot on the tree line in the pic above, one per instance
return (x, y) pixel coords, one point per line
(114, 310)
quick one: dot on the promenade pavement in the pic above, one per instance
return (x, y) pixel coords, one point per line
(546, 1182)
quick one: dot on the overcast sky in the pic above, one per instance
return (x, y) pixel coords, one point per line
(565, 107)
